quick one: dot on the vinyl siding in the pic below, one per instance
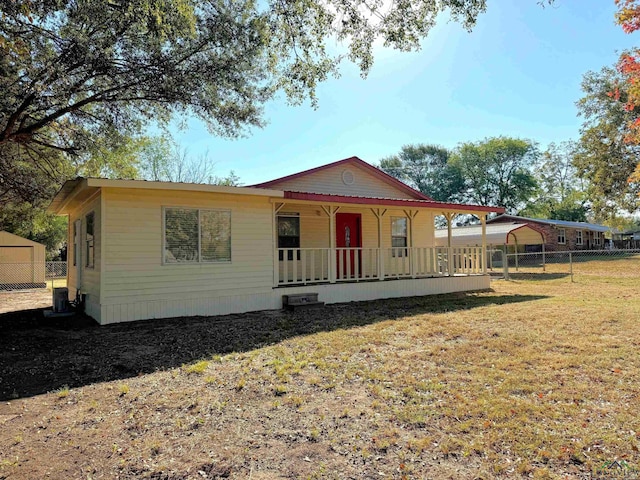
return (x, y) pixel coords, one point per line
(330, 181)
(89, 277)
(137, 283)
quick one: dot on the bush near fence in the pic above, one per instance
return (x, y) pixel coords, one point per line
(20, 276)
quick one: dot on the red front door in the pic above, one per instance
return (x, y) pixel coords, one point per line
(348, 235)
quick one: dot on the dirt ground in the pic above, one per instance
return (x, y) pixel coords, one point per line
(18, 300)
(534, 379)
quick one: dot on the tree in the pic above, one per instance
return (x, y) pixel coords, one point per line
(497, 171)
(160, 159)
(605, 156)
(560, 193)
(84, 72)
(427, 168)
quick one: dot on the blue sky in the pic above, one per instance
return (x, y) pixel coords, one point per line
(517, 73)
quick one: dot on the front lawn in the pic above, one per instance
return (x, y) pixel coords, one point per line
(537, 378)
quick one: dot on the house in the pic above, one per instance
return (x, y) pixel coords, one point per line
(22, 262)
(560, 235)
(345, 231)
(629, 239)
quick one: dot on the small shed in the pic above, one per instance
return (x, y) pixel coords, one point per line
(22, 262)
(497, 234)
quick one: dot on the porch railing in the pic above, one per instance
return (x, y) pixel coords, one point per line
(301, 266)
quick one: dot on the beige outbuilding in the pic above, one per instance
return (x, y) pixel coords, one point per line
(22, 262)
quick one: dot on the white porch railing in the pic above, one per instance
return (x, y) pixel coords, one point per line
(302, 266)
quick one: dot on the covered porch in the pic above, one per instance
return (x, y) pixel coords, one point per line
(329, 239)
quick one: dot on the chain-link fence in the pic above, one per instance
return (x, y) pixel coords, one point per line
(548, 265)
(21, 276)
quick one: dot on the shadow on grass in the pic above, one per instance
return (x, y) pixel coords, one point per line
(537, 276)
(40, 355)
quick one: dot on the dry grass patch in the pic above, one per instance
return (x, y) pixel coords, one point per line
(535, 379)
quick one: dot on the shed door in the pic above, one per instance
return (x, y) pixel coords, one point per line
(16, 265)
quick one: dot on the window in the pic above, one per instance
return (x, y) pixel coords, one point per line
(578, 237)
(90, 250)
(194, 235)
(75, 243)
(288, 234)
(562, 239)
(399, 236)
(597, 238)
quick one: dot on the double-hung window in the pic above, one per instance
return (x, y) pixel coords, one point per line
(288, 234)
(399, 236)
(578, 237)
(562, 236)
(89, 240)
(597, 238)
(193, 235)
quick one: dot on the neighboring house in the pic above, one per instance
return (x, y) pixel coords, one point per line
(560, 235)
(629, 239)
(497, 235)
(22, 262)
(140, 250)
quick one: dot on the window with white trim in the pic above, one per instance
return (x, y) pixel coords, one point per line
(193, 235)
(75, 243)
(89, 240)
(578, 237)
(562, 236)
(597, 238)
(288, 234)
(399, 236)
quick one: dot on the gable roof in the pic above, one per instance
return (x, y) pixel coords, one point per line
(557, 223)
(356, 162)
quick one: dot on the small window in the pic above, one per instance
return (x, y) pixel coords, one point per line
(89, 240)
(578, 237)
(562, 239)
(597, 238)
(192, 235)
(399, 236)
(75, 243)
(288, 234)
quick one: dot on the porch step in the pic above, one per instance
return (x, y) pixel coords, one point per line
(301, 300)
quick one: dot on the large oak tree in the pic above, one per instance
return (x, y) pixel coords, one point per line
(80, 75)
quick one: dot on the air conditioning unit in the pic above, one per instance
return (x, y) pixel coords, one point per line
(60, 300)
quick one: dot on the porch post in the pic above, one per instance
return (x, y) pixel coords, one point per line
(379, 214)
(331, 213)
(450, 268)
(411, 215)
(483, 219)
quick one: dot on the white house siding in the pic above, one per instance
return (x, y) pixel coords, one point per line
(330, 181)
(136, 284)
(90, 277)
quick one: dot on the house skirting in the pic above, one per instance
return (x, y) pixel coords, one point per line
(272, 299)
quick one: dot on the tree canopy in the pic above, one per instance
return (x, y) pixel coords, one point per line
(81, 74)
(497, 171)
(605, 156)
(428, 169)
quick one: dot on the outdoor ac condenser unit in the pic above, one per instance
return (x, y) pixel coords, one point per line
(60, 299)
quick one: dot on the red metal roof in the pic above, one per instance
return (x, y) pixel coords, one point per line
(358, 163)
(325, 197)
